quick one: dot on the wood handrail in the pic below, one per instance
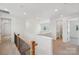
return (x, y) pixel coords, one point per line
(33, 47)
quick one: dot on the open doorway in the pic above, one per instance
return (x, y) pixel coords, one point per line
(59, 30)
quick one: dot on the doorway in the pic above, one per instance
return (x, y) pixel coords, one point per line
(59, 29)
(5, 29)
(74, 31)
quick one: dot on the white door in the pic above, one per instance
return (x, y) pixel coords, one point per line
(5, 28)
(0, 29)
(66, 30)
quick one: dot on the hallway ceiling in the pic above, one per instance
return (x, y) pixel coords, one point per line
(40, 11)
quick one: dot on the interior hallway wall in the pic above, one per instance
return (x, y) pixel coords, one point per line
(32, 28)
(74, 31)
(70, 30)
(18, 26)
(0, 29)
(65, 31)
(53, 28)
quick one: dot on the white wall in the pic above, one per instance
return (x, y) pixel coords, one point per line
(45, 45)
(32, 27)
(5, 24)
(0, 29)
(69, 30)
(53, 27)
(74, 34)
(29, 27)
(17, 26)
(65, 31)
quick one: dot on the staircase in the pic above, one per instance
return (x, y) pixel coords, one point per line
(25, 47)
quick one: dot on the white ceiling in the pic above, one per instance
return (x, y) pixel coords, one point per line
(40, 10)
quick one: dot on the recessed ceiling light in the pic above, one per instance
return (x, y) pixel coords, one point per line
(56, 10)
(24, 13)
